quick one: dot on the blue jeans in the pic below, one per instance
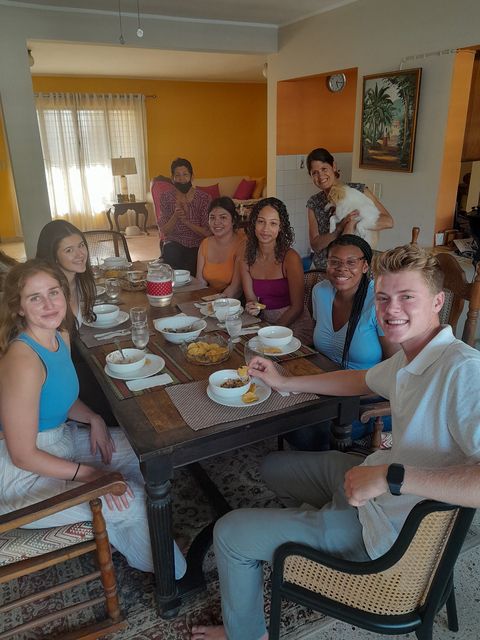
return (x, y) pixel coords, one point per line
(244, 538)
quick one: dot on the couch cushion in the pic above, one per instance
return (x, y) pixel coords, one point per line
(244, 190)
(212, 190)
(19, 544)
(259, 185)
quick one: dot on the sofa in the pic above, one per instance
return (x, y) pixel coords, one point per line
(236, 187)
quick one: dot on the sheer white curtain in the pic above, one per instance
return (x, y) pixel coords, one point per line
(80, 133)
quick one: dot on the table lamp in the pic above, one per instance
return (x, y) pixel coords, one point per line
(123, 167)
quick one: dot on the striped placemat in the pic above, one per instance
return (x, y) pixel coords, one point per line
(302, 352)
(200, 412)
(119, 387)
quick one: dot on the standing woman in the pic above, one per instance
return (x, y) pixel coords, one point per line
(272, 271)
(323, 171)
(41, 454)
(220, 255)
(183, 219)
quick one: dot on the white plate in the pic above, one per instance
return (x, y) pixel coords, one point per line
(181, 284)
(120, 319)
(256, 345)
(153, 364)
(263, 392)
(100, 291)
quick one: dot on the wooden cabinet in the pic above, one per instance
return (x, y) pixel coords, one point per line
(471, 141)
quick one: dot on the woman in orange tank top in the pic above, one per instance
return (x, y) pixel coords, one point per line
(220, 255)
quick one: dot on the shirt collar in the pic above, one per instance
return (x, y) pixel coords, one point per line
(432, 351)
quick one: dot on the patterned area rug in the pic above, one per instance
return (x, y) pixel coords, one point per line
(236, 474)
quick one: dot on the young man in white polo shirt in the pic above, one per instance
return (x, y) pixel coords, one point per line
(432, 385)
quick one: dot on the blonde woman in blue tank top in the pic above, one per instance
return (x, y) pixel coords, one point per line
(41, 454)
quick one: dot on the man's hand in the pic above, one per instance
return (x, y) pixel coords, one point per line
(100, 439)
(119, 502)
(363, 483)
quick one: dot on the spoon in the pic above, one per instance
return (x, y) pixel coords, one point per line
(117, 344)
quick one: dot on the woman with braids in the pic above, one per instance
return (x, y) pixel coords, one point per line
(346, 328)
(272, 272)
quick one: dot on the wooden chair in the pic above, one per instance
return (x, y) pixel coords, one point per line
(104, 244)
(25, 551)
(400, 592)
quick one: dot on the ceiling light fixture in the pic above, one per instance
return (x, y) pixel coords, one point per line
(121, 38)
(139, 28)
(31, 60)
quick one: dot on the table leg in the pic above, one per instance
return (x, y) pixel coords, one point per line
(108, 214)
(142, 209)
(115, 217)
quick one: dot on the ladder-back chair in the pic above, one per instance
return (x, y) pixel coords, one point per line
(105, 244)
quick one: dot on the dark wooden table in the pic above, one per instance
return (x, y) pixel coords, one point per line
(119, 208)
(163, 442)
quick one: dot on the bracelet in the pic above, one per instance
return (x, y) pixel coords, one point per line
(75, 474)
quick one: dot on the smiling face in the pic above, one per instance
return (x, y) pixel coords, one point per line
(267, 225)
(407, 309)
(72, 255)
(42, 302)
(345, 267)
(323, 174)
(220, 222)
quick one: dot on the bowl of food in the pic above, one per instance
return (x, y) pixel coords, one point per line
(224, 307)
(275, 336)
(208, 350)
(106, 313)
(178, 329)
(227, 383)
(181, 275)
(133, 359)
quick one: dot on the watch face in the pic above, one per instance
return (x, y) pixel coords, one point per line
(337, 82)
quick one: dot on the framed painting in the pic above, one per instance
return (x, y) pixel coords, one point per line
(389, 120)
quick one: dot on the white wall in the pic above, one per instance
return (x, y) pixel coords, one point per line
(374, 35)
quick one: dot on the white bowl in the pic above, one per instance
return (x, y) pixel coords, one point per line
(275, 336)
(99, 290)
(134, 359)
(181, 275)
(177, 323)
(222, 312)
(219, 377)
(106, 313)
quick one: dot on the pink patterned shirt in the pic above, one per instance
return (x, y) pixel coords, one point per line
(197, 213)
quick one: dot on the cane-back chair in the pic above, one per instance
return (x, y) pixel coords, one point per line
(310, 279)
(26, 551)
(400, 592)
(105, 244)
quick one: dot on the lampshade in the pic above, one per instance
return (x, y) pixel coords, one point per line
(123, 166)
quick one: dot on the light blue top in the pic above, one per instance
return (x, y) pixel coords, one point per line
(365, 348)
(60, 389)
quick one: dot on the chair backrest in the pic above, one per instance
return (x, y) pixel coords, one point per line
(105, 243)
(310, 279)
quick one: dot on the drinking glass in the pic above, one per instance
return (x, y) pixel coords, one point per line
(233, 324)
(138, 315)
(140, 335)
(248, 353)
(112, 286)
(220, 308)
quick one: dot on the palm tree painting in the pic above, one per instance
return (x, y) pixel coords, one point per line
(389, 118)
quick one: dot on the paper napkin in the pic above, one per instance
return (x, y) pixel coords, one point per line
(148, 383)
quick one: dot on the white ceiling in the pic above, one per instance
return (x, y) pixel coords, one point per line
(64, 58)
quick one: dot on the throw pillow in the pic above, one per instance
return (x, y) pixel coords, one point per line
(212, 190)
(244, 190)
(259, 184)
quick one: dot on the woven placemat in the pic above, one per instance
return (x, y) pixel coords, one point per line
(212, 323)
(119, 387)
(302, 352)
(200, 412)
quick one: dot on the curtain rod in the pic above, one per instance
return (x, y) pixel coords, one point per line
(46, 95)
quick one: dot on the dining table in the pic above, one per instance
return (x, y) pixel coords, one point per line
(156, 423)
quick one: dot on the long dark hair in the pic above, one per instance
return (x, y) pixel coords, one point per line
(47, 248)
(286, 235)
(224, 202)
(348, 240)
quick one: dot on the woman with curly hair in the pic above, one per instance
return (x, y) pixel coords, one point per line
(272, 272)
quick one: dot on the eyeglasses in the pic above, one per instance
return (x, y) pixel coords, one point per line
(350, 263)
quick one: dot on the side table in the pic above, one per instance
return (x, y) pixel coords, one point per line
(119, 208)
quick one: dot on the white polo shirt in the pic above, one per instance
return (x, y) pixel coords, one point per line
(435, 404)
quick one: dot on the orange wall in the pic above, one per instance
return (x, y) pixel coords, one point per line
(220, 127)
(309, 115)
(8, 200)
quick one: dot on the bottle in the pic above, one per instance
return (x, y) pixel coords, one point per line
(159, 283)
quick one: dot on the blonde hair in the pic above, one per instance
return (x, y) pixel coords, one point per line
(11, 322)
(410, 257)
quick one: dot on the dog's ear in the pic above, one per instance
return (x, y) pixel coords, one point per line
(336, 193)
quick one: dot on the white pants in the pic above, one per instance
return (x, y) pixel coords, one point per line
(127, 529)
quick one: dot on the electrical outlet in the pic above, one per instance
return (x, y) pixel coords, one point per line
(301, 163)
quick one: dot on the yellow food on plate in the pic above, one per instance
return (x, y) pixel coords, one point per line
(250, 395)
(259, 305)
(271, 350)
(243, 371)
(206, 352)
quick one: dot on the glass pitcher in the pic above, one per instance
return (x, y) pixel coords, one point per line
(159, 283)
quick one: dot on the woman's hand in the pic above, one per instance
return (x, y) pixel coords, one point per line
(349, 223)
(119, 502)
(265, 370)
(252, 308)
(100, 439)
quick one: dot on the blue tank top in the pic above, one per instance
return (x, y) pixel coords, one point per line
(60, 389)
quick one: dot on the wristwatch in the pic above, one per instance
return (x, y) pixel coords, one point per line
(395, 475)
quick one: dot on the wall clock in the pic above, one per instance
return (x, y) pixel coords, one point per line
(336, 82)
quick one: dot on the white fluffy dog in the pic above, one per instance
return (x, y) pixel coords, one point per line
(345, 199)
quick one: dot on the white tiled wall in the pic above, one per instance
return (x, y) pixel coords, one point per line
(294, 187)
